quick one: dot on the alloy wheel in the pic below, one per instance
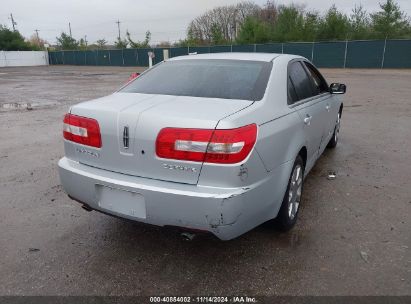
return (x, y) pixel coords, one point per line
(294, 193)
(337, 127)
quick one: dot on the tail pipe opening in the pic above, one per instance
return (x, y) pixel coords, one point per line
(87, 208)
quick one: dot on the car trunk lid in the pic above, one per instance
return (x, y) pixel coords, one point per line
(129, 125)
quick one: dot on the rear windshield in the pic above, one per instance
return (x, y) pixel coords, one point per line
(229, 79)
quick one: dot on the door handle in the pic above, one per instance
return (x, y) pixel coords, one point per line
(327, 107)
(307, 119)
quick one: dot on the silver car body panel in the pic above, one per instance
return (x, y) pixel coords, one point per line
(227, 200)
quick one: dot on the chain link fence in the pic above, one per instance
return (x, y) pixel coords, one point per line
(333, 54)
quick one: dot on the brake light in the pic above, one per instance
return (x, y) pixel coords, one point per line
(203, 145)
(82, 130)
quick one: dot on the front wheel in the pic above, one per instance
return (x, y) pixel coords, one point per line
(287, 216)
(334, 139)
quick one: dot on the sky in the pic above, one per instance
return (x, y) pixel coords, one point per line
(167, 20)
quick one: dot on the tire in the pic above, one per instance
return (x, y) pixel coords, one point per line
(334, 139)
(287, 216)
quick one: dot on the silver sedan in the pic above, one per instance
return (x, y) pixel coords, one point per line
(214, 142)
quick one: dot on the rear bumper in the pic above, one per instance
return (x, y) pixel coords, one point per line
(225, 212)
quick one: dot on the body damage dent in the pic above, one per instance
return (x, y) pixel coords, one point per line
(218, 222)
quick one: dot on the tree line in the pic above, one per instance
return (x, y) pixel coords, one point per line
(66, 42)
(14, 41)
(248, 22)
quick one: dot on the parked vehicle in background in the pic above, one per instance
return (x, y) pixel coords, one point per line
(133, 76)
(215, 142)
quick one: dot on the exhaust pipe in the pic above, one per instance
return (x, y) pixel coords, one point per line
(87, 208)
(187, 236)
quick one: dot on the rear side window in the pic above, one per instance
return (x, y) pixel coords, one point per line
(299, 78)
(320, 85)
(212, 78)
(292, 95)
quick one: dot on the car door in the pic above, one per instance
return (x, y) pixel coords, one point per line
(330, 105)
(310, 108)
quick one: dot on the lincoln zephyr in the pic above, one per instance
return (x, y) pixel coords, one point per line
(213, 142)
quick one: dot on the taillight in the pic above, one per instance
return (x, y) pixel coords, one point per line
(203, 145)
(82, 130)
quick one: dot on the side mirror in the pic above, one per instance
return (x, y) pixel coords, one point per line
(338, 88)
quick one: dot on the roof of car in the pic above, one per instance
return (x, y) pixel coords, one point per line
(267, 57)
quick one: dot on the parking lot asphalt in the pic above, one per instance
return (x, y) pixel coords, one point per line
(353, 236)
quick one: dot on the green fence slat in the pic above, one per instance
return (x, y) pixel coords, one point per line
(269, 48)
(116, 57)
(103, 57)
(158, 55)
(299, 48)
(355, 54)
(52, 58)
(178, 51)
(220, 48)
(243, 48)
(130, 57)
(59, 57)
(63, 58)
(70, 57)
(397, 54)
(91, 57)
(364, 54)
(80, 57)
(200, 49)
(329, 54)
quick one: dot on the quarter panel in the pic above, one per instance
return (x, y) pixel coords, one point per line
(280, 140)
(237, 175)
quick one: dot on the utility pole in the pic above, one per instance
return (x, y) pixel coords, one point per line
(85, 40)
(13, 23)
(118, 25)
(38, 38)
(383, 52)
(70, 30)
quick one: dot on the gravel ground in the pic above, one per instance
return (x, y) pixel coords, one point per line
(353, 236)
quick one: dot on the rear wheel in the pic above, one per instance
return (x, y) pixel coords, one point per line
(334, 139)
(287, 216)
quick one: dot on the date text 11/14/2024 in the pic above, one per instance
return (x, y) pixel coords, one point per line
(203, 299)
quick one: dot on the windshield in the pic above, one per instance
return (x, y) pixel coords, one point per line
(212, 78)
